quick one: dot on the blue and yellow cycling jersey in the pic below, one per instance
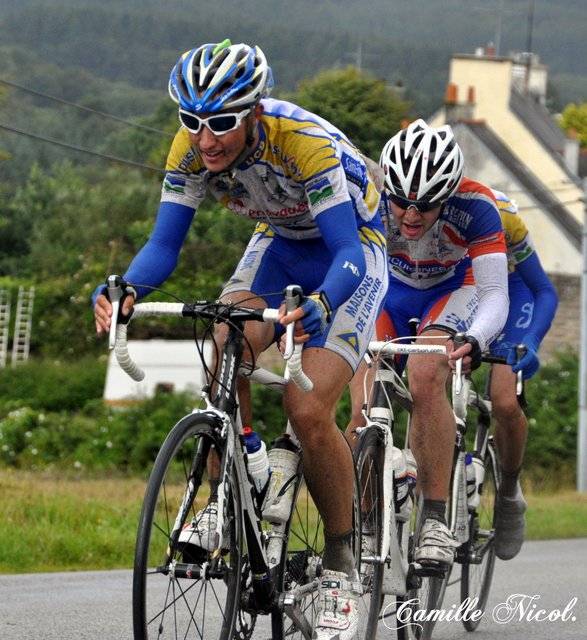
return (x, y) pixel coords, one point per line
(301, 167)
(533, 298)
(518, 241)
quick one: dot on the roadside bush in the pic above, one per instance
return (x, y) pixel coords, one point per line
(51, 385)
(552, 395)
(52, 417)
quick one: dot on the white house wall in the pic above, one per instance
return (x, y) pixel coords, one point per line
(174, 363)
(491, 78)
(557, 253)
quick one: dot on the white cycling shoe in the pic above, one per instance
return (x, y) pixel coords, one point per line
(201, 531)
(436, 544)
(337, 616)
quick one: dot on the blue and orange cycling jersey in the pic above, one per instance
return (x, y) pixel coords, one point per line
(302, 166)
(468, 226)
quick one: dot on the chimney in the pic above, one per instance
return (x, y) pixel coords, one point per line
(471, 95)
(451, 94)
(454, 110)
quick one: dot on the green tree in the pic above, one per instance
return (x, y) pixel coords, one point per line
(363, 107)
(574, 119)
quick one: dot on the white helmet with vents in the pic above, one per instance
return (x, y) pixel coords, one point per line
(422, 163)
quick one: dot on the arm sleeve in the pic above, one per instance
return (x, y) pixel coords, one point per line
(490, 271)
(155, 262)
(545, 296)
(338, 227)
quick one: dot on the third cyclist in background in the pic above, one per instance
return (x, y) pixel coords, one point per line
(533, 302)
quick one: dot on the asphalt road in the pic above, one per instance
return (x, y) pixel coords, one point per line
(96, 605)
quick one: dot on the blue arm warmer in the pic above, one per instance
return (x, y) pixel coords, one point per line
(155, 262)
(545, 297)
(338, 227)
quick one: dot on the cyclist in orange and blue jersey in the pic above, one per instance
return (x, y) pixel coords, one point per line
(448, 268)
(317, 206)
(533, 303)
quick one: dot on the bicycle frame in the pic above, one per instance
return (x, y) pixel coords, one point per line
(222, 415)
(388, 385)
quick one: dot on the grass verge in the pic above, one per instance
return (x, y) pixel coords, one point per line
(58, 523)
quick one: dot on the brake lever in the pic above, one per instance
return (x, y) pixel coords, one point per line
(115, 294)
(293, 299)
(459, 341)
(521, 351)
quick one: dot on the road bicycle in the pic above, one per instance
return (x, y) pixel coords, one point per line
(252, 567)
(391, 510)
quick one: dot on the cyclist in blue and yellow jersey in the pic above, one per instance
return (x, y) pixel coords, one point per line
(448, 268)
(533, 303)
(319, 226)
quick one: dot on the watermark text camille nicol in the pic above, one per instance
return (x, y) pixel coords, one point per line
(518, 607)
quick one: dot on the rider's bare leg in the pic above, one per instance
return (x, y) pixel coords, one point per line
(328, 465)
(432, 424)
(511, 426)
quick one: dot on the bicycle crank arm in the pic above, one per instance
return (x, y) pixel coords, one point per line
(291, 607)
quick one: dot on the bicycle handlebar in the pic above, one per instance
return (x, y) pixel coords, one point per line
(209, 310)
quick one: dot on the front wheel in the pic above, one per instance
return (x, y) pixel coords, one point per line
(477, 568)
(369, 455)
(181, 590)
(301, 559)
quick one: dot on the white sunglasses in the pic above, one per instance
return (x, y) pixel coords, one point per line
(219, 124)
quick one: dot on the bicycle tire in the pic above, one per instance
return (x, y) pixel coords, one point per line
(301, 557)
(170, 604)
(369, 459)
(476, 577)
(429, 595)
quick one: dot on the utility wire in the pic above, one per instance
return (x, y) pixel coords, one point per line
(88, 109)
(81, 149)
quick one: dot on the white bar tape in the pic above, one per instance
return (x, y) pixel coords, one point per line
(295, 370)
(158, 309)
(122, 355)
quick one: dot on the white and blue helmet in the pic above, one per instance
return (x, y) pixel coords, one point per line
(422, 163)
(218, 77)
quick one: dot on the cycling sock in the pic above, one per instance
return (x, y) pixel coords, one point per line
(338, 554)
(509, 483)
(434, 509)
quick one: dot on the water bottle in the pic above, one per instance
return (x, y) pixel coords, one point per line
(257, 461)
(475, 476)
(401, 484)
(284, 458)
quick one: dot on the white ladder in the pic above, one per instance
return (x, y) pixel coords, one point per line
(22, 325)
(4, 325)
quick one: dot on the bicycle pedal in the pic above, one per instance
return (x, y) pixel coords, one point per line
(413, 580)
(429, 569)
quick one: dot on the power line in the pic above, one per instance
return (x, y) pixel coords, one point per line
(88, 109)
(59, 143)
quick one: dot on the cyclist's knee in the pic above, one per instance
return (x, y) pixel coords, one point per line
(310, 419)
(506, 408)
(427, 377)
